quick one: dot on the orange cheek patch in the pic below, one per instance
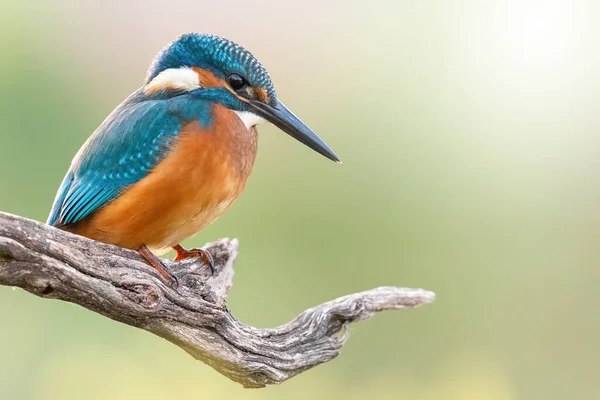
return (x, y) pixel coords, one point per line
(208, 80)
(261, 95)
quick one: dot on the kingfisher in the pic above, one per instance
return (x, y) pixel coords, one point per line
(176, 154)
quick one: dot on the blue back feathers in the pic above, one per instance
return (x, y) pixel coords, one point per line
(122, 151)
(219, 55)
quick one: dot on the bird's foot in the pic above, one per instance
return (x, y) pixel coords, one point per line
(183, 253)
(155, 262)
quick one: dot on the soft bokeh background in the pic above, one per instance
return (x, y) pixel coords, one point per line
(470, 134)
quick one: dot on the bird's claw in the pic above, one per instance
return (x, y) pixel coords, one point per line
(207, 258)
(156, 262)
(172, 281)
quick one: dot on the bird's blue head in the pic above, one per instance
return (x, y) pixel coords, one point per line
(222, 71)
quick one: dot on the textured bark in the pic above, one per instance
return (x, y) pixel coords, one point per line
(118, 284)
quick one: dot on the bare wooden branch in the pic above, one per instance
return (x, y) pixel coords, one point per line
(118, 284)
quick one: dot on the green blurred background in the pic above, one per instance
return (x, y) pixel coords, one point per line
(470, 135)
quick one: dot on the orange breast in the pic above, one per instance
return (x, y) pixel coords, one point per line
(198, 180)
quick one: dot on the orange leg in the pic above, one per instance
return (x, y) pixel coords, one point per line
(155, 262)
(183, 253)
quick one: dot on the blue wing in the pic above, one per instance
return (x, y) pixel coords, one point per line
(122, 151)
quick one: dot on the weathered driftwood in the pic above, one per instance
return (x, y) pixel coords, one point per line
(118, 284)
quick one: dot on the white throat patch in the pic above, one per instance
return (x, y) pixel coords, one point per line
(250, 119)
(174, 78)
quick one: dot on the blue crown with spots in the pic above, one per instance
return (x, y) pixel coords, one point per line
(213, 53)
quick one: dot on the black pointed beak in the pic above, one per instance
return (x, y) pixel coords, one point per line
(280, 116)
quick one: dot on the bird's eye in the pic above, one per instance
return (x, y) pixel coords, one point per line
(236, 82)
